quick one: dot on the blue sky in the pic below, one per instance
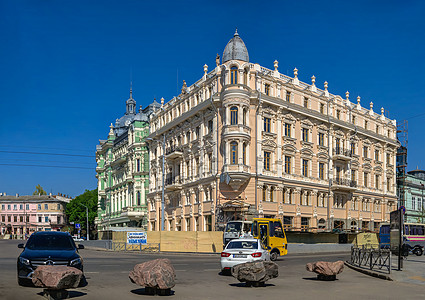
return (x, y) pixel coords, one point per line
(65, 68)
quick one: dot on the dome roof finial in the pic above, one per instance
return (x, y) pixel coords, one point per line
(235, 49)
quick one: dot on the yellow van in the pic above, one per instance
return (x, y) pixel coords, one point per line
(271, 233)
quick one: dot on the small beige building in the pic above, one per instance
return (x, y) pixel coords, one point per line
(245, 140)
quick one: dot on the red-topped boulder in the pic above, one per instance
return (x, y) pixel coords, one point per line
(56, 277)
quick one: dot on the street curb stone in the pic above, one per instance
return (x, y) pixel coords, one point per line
(368, 272)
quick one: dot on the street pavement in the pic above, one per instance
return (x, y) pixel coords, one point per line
(198, 277)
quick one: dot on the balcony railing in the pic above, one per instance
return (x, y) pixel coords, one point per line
(343, 183)
(174, 152)
(343, 153)
(173, 182)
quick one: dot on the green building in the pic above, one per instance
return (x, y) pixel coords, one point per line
(123, 170)
(414, 196)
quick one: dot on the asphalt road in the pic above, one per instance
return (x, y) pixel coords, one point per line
(198, 278)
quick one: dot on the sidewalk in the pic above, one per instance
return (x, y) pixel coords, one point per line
(413, 270)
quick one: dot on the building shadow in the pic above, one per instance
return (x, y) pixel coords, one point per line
(244, 285)
(316, 279)
(71, 294)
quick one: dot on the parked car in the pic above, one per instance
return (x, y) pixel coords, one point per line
(47, 248)
(243, 250)
(77, 239)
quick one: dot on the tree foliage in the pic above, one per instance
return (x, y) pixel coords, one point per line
(76, 211)
(39, 190)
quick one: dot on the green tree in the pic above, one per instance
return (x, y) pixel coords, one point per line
(39, 190)
(76, 211)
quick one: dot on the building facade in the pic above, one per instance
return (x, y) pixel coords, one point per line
(21, 215)
(123, 169)
(414, 196)
(246, 141)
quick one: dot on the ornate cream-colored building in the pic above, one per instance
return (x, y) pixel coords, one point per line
(246, 141)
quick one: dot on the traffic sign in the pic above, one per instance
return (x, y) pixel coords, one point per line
(78, 225)
(403, 209)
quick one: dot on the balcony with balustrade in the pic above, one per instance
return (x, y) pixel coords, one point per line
(340, 184)
(173, 183)
(173, 152)
(342, 154)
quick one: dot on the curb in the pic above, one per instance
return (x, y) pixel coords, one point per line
(368, 272)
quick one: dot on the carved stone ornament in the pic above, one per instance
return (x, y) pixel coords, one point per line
(315, 212)
(298, 210)
(199, 209)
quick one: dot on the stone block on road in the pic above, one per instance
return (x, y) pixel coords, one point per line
(158, 273)
(56, 277)
(255, 272)
(326, 270)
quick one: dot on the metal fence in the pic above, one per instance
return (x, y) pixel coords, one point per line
(372, 258)
(123, 246)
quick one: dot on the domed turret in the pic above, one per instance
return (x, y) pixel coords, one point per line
(235, 49)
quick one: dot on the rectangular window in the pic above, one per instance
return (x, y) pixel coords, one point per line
(365, 179)
(338, 114)
(2, 206)
(21, 206)
(365, 151)
(322, 171)
(388, 185)
(27, 206)
(267, 122)
(377, 155)
(413, 203)
(354, 120)
(46, 206)
(306, 102)
(39, 219)
(59, 206)
(377, 182)
(365, 124)
(264, 193)
(322, 108)
(267, 160)
(353, 176)
(287, 222)
(3, 218)
(305, 222)
(210, 126)
(377, 129)
(15, 219)
(287, 129)
(388, 159)
(9, 219)
(305, 134)
(8, 207)
(46, 219)
(287, 164)
(138, 165)
(321, 139)
(305, 167)
(21, 219)
(288, 96)
(15, 207)
(267, 89)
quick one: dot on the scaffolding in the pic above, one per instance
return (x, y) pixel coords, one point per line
(402, 133)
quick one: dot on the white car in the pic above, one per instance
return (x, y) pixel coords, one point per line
(243, 250)
(77, 239)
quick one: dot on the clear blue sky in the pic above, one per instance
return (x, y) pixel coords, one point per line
(65, 67)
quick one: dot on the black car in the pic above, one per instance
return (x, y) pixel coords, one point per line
(47, 248)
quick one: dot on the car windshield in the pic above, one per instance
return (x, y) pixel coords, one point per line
(242, 245)
(233, 227)
(49, 242)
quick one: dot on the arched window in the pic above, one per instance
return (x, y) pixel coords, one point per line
(138, 199)
(234, 75)
(233, 115)
(233, 153)
(244, 116)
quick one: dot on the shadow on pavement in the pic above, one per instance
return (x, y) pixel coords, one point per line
(315, 279)
(71, 294)
(141, 291)
(243, 285)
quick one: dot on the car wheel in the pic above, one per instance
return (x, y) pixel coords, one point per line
(273, 256)
(418, 251)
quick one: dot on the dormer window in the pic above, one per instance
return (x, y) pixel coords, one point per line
(234, 75)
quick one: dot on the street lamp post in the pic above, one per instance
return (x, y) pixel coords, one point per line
(87, 215)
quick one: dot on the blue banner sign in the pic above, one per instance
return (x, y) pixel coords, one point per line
(137, 237)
